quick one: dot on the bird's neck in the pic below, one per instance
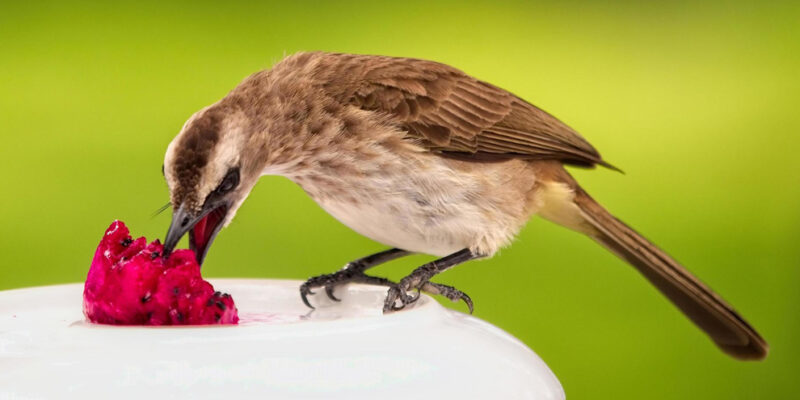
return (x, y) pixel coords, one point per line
(297, 138)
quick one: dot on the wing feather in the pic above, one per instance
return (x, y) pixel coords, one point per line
(449, 111)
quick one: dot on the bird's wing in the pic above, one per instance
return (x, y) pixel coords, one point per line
(453, 113)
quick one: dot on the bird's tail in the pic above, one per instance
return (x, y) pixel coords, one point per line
(704, 307)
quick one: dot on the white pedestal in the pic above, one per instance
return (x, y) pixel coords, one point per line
(280, 350)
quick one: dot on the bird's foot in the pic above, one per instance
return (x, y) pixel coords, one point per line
(450, 292)
(352, 272)
(399, 294)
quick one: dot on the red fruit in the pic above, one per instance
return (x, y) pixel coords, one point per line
(129, 283)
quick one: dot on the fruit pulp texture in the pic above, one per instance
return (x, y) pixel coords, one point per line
(130, 283)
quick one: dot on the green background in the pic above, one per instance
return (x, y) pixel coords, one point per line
(697, 103)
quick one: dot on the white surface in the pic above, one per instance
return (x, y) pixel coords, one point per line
(280, 350)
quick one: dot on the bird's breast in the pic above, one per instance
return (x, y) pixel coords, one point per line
(430, 208)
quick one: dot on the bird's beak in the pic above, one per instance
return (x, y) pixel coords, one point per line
(181, 223)
(202, 229)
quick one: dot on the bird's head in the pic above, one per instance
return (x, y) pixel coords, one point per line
(210, 168)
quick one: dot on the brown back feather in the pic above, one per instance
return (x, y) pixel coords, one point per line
(452, 112)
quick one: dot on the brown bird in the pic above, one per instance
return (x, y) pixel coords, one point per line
(416, 155)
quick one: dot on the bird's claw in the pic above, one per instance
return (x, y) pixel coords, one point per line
(350, 273)
(450, 292)
(304, 292)
(329, 292)
(399, 294)
(391, 299)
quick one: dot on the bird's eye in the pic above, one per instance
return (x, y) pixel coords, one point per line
(230, 181)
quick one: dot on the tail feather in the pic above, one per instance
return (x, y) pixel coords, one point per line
(704, 307)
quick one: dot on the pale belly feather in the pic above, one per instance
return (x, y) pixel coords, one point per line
(394, 222)
(437, 213)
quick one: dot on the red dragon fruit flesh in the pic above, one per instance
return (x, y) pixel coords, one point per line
(129, 283)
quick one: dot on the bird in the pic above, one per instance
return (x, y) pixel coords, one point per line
(416, 155)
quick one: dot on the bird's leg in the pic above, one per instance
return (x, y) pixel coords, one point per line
(420, 280)
(352, 272)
